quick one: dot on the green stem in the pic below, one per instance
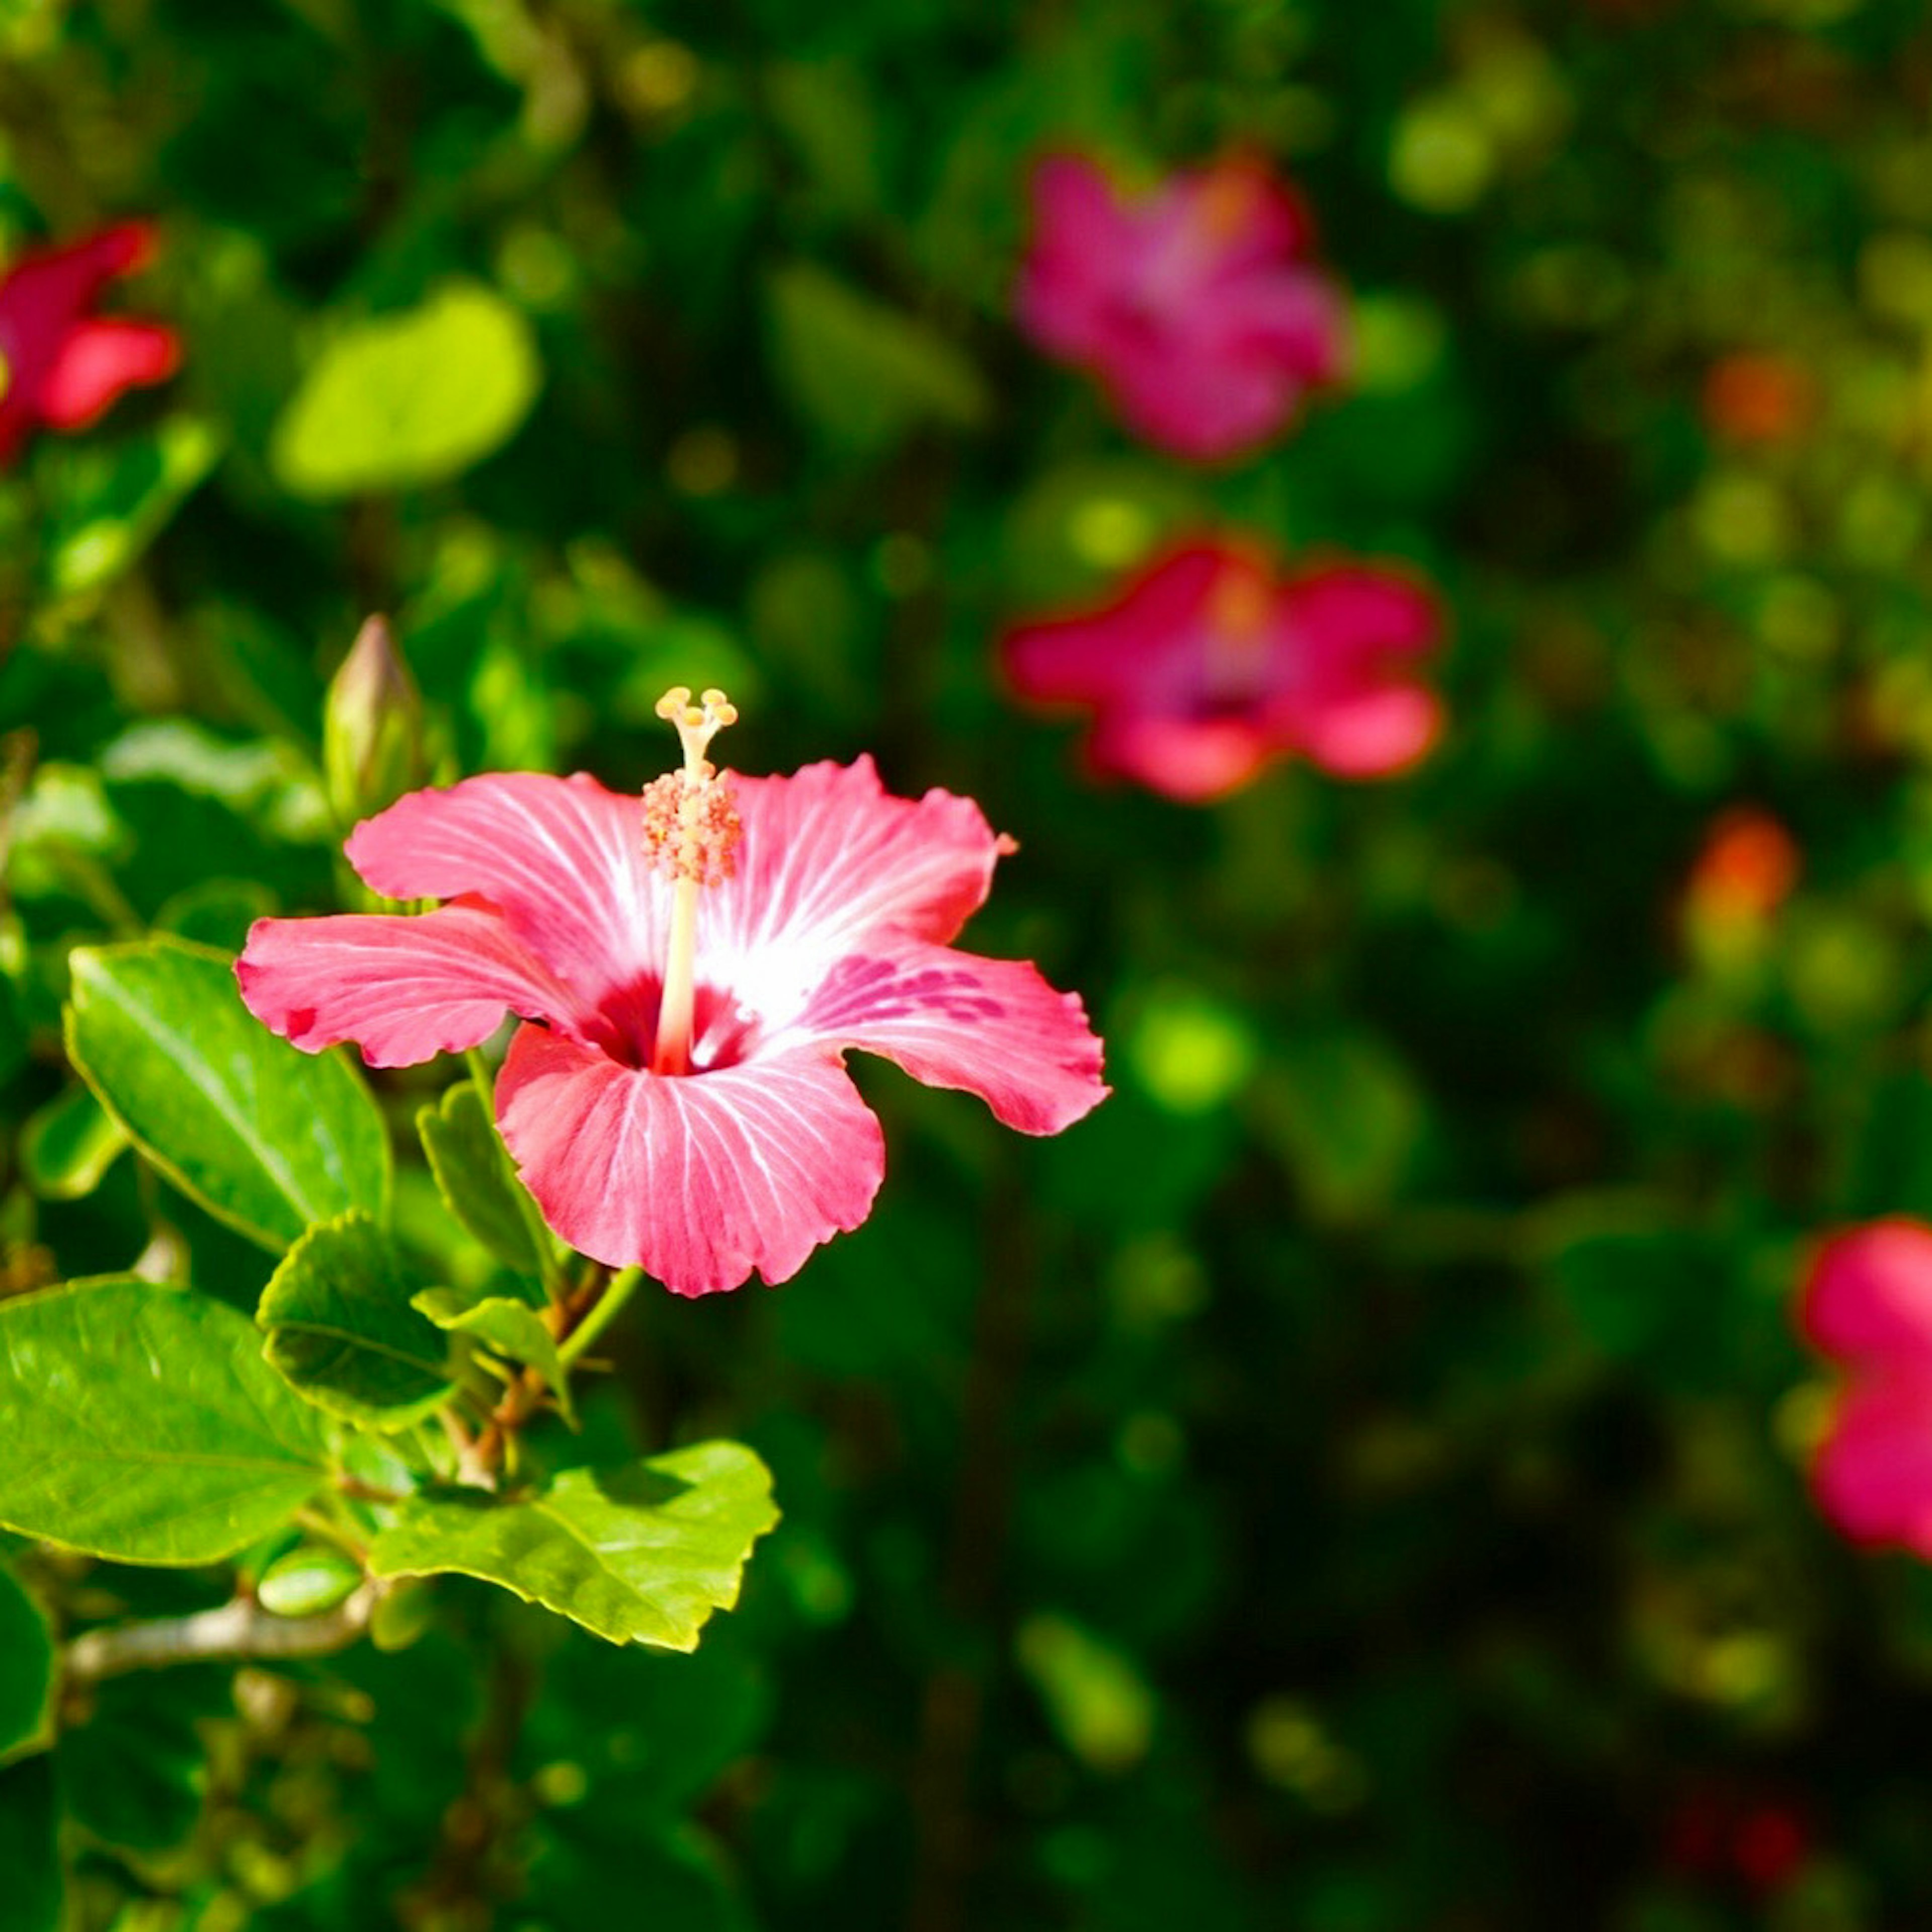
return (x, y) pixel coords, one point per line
(621, 1289)
(556, 1285)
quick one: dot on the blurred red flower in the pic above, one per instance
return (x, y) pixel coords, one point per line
(1758, 398)
(1193, 306)
(1745, 869)
(693, 968)
(1208, 666)
(1866, 1303)
(60, 367)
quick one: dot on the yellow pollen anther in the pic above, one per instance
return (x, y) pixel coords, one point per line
(691, 831)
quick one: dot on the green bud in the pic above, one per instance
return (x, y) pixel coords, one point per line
(372, 727)
(308, 1580)
(402, 1615)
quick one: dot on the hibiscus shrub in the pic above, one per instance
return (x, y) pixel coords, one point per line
(1373, 559)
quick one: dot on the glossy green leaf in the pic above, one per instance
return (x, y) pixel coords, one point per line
(31, 1881)
(267, 1138)
(26, 1670)
(143, 1425)
(402, 400)
(69, 1144)
(474, 1177)
(640, 1555)
(514, 1329)
(341, 1330)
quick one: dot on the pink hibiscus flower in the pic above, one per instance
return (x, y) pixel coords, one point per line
(1867, 1304)
(692, 968)
(60, 366)
(1193, 306)
(1208, 666)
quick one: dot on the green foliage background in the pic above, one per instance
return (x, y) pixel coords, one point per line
(1352, 1482)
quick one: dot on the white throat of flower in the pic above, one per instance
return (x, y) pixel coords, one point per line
(692, 832)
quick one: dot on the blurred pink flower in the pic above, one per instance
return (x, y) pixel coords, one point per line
(1193, 306)
(61, 366)
(694, 967)
(1207, 666)
(1867, 1304)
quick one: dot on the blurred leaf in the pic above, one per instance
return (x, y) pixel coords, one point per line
(1099, 1702)
(401, 400)
(69, 1144)
(1347, 1117)
(640, 1555)
(134, 1775)
(267, 1138)
(865, 375)
(157, 1433)
(342, 1331)
(31, 1878)
(26, 1671)
(119, 496)
(473, 1177)
(216, 914)
(513, 1329)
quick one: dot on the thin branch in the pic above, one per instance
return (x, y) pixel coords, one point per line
(239, 1631)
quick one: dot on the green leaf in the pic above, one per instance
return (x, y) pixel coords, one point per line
(341, 1330)
(866, 374)
(69, 1144)
(26, 1671)
(31, 1878)
(402, 400)
(143, 1426)
(640, 1555)
(267, 1138)
(514, 1329)
(474, 1178)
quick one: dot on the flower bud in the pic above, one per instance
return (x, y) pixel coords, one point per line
(308, 1580)
(372, 727)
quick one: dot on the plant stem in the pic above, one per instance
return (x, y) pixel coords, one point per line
(617, 1291)
(556, 1285)
(238, 1631)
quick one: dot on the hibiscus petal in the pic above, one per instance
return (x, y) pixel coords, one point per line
(44, 293)
(1297, 321)
(700, 1179)
(562, 858)
(990, 1027)
(1193, 760)
(829, 858)
(1082, 240)
(1874, 1475)
(1868, 1298)
(1097, 656)
(97, 362)
(1374, 734)
(404, 989)
(1348, 613)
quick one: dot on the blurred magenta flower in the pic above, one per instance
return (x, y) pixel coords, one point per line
(693, 967)
(61, 366)
(1867, 1304)
(1193, 306)
(1207, 666)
